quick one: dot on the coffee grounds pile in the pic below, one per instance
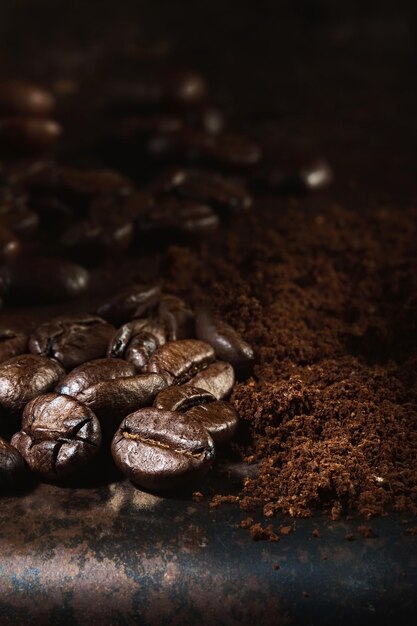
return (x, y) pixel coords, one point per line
(328, 297)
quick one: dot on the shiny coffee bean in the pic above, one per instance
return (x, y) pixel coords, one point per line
(177, 318)
(21, 222)
(178, 361)
(160, 449)
(12, 466)
(182, 398)
(21, 97)
(208, 118)
(28, 135)
(112, 400)
(136, 129)
(12, 343)
(89, 241)
(59, 436)
(214, 189)
(227, 343)
(24, 377)
(92, 372)
(136, 341)
(9, 245)
(219, 418)
(38, 280)
(217, 378)
(72, 340)
(179, 216)
(296, 176)
(134, 301)
(93, 182)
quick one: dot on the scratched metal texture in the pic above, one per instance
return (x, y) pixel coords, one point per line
(336, 77)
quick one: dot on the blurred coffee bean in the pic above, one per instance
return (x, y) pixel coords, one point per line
(22, 221)
(120, 207)
(135, 130)
(72, 340)
(207, 118)
(9, 245)
(218, 378)
(89, 242)
(227, 343)
(179, 361)
(296, 176)
(12, 343)
(92, 372)
(39, 280)
(112, 400)
(177, 317)
(59, 436)
(136, 341)
(28, 135)
(134, 301)
(214, 189)
(24, 377)
(171, 217)
(12, 466)
(93, 182)
(160, 449)
(21, 97)
(182, 398)
(219, 418)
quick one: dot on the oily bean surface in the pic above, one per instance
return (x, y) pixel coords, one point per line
(134, 301)
(9, 245)
(59, 436)
(181, 398)
(12, 466)
(12, 343)
(92, 372)
(72, 340)
(28, 135)
(136, 341)
(20, 97)
(218, 378)
(178, 361)
(160, 449)
(227, 343)
(219, 418)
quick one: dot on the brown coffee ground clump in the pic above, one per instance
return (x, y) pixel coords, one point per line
(328, 298)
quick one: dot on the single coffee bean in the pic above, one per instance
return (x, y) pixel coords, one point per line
(227, 343)
(89, 241)
(72, 340)
(93, 182)
(160, 449)
(182, 398)
(219, 418)
(112, 400)
(24, 377)
(93, 372)
(171, 216)
(136, 341)
(208, 118)
(28, 135)
(21, 97)
(21, 222)
(12, 466)
(134, 301)
(9, 245)
(178, 361)
(136, 129)
(217, 378)
(59, 436)
(297, 176)
(177, 318)
(214, 189)
(37, 279)
(119, 207)
(12, 343)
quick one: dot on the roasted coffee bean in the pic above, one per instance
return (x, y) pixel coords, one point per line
(28, 135)
(296, 176)
(9, 245)
(92, 372)
(207, 118)
(93, 182)
(134, 301)
(178, 361)
(136, 341)
(160, 449)
(12, 343)
(227, 343)
(21, 222)
(24, 377)
(12, 466)
(171, 216)
(177, 317)
(214, 189)
(182, 398)
(217, 378)
(59, 436)
(125, 208)
(72, 339)
(134, 130)
(219, 418)
(88, 241)
(21, 97)
(112, 400)
(37, 279)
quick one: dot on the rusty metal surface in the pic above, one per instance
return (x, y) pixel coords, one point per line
(110, 554)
